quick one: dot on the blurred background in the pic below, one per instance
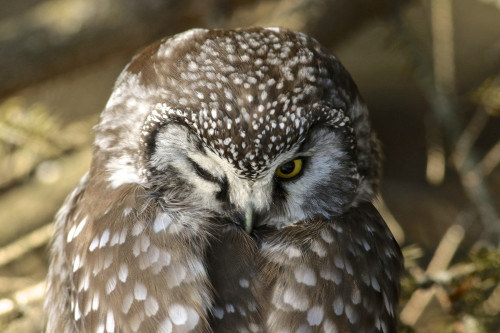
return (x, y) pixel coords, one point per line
(429, 71)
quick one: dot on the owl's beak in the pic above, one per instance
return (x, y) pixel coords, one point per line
(249, 217)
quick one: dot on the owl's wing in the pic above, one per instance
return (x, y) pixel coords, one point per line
(340, 275)
(58, 298)
(123, 262)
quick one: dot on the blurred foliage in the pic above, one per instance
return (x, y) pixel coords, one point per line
(28, 135)
(478, 294)
(471, 288)
(488, 95)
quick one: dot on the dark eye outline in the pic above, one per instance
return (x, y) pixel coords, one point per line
(298, 173)
(203, 173)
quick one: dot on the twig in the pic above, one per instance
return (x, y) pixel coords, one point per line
(25, 244)
(468, 137)
(446, 250)
(489, 162)
(436, 159)
(491, 305)
(391, 221)
(443, 46)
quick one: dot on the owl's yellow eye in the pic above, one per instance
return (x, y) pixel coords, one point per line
(289, 169)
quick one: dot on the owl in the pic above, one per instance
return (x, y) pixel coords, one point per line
(230, 190)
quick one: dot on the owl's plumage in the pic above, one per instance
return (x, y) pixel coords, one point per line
(184, 224)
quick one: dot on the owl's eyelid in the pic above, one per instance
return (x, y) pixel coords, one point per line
(202, 172)
(299, 157)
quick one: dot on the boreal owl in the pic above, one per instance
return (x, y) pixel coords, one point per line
(231, 190)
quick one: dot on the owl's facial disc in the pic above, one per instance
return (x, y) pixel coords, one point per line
(315, 178)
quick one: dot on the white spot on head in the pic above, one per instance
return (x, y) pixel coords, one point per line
(263, 96)
(274, 29)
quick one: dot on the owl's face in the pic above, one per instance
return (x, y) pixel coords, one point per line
(251, 126)
(314, 178)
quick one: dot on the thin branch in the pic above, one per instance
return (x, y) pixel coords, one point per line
(25, 244)
(468, 137)
(446, 111)
(443, 46)
(489, 162)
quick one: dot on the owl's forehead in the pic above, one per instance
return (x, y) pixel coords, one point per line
(249, 95)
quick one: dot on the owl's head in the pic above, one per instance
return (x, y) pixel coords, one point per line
(262, 126)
